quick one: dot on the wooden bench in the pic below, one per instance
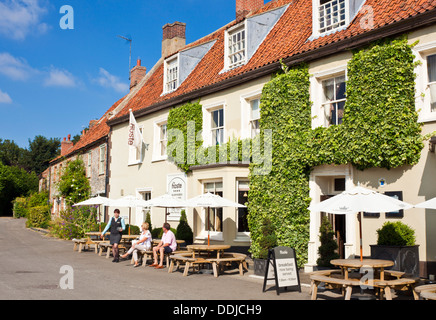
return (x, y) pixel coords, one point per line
(325, 277)
(186, 259)
(426, 287)
(229, 258)
(397, 284)
(108, 247)
(79, 242)
(428, 294)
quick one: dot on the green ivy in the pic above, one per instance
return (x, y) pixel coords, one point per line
(282, 197)
(178, 120)
(379, 129)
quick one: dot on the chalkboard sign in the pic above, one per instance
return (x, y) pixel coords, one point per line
(283, 262)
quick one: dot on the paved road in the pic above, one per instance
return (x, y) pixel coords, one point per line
(30, 265)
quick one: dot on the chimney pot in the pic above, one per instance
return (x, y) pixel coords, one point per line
(69, 137)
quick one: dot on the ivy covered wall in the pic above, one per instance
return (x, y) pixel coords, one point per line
(379, 129)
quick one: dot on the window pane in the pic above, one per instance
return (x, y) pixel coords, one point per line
(433, 97)
(431, 67)
(340, 87)
(255, 109)
(328, 87)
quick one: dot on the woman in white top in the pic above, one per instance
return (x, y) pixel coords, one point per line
(144, 243)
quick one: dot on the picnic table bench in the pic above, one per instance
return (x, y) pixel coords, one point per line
(217, 263)
(105, 245)
(425, 292)
(81, 243)
(228, 258)
(327, 277)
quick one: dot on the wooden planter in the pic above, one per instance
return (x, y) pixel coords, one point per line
(406, 258)
(259, 266)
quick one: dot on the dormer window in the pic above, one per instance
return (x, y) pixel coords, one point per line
(171, 75)
(242, 40)
(332, 15)
(236, 47)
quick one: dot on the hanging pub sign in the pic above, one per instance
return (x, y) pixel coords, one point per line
(283, 262)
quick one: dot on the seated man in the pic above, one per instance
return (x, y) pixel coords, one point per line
(167, 244)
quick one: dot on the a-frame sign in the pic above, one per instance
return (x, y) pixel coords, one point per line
(283, 269)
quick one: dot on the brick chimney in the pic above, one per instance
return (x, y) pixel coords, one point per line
(244, 7)
(92, 123)
(136, 74)
(66, 145)
(173, 38)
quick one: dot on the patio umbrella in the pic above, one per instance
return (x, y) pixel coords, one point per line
(358, 200)
(98, 200)
(166, 201)
(210, 200)
(429, 204)
(128, 201)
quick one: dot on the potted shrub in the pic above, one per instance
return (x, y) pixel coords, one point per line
(396, 242)
(267, 240)
(184, 231)
(328, 247)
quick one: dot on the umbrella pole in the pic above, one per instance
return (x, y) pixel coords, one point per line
(359, 217)
(130, 209)
(99, 218)
(208, 226)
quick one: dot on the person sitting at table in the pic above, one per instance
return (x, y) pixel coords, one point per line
(116, 226)
(167, 244)
(144, 243)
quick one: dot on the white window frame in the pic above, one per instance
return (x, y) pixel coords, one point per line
(245, 235)
(235, 29)
(316, 5)
(207, 122)
(173, 61)
(157, 154)
(214, 235)
(135, 156)
(246, 112)
(317, 94)
(88, 163)
(422, 89)
(141, 212)
(102, 159)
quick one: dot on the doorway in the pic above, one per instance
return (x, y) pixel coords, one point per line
(337, 222)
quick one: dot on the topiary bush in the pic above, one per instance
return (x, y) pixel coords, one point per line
(396, 234)
(184, 231)
(328, 247)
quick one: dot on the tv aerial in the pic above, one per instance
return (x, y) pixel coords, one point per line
(130, 53)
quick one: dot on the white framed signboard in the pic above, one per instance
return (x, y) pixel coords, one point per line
(283, 261)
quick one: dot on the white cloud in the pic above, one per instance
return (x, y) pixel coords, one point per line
(60, 78)
(20, 17)
(15, 68)
(4, 97)
(110, 81)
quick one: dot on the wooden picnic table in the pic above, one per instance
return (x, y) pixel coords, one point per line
(179, 242)
(199, 248)
(375, 264)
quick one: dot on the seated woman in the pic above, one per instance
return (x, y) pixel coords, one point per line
(144, 243)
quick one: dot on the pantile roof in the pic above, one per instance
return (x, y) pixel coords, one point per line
(289, 37)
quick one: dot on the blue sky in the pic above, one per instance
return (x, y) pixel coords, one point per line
(54, 81)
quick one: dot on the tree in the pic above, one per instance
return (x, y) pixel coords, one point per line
(41, 151)
(14, 182)
(11, 154)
